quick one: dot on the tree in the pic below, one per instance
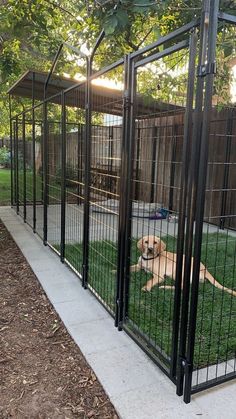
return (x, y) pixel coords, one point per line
(32, 30)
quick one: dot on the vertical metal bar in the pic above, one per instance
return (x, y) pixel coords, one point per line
(45, 174)
(153, 170)
(172, 168)
(11, 149)
(53, 66)
(200, 198)
(63, 175)
(126, 196)
(191, 182)
(24, 166)
(182, 201)
(17, 165)
(226, 168)
(15, 158)
(87, 175)
(34, 164)
(136, 195)
(123, 197)
(130, 151)
(110, 155)
(79, 168)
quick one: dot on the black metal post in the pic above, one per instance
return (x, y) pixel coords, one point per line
(24, 166)
(14, 160)
(182, 202)
(17, 166)
(53, 66)
(200, 196)
(42, 177)
(63, 175)
(11, 149)
(34, 164)
(87, 175)
(123, 197)
(45, 174)
(130, 157)
(191, 185)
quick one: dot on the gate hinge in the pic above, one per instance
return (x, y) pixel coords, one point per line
(208, 68)
(126, 98)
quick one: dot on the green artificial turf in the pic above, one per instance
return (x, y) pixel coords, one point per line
(152, 313)
(5, 186)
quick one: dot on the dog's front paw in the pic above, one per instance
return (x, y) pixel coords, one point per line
(146, 289)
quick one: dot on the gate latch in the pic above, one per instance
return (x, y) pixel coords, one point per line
(208, 68)
(126, 98)
(184, 363)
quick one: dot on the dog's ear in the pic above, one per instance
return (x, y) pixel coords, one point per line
(140, 245)
(162, 246)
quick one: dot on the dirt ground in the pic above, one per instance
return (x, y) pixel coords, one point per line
(42, 372)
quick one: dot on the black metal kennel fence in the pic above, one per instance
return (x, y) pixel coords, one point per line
(95, 169)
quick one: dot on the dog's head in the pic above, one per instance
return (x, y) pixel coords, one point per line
(151, 246)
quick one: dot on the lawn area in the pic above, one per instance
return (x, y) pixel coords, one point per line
(5, 186)
(151, 313)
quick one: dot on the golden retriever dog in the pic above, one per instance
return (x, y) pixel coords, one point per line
(161, 264)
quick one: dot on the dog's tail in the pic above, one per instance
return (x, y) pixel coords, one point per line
(216, 284)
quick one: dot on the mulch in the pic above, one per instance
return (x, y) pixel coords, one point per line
(42, 372)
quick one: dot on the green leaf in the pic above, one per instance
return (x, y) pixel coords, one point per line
(110, 24)
(156, 31)
(122, 17)
(228, 50)
(142, 6)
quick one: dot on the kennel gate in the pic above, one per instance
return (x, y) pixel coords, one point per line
(159, 343)
(150, 146)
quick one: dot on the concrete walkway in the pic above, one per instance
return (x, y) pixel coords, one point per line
(136, 387)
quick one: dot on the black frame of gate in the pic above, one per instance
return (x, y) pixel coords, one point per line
(182, 355)
(133, 61)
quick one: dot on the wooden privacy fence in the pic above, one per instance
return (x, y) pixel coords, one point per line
(158, 161)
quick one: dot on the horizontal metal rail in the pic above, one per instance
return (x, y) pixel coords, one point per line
(225, 17)
(162, 54)
(163, 39)
(214, 382)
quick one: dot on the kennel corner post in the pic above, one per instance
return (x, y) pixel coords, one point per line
(88, 121)
(200, 196)
(33, 144)
(63, 176)
(179, 363)
(125, 179)
(11, 148)
(17, 163)
(24, 166)
(14, 162)
(183, 198)
(45, 173)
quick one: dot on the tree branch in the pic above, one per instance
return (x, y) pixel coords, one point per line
(144, 38)
(52, 3)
